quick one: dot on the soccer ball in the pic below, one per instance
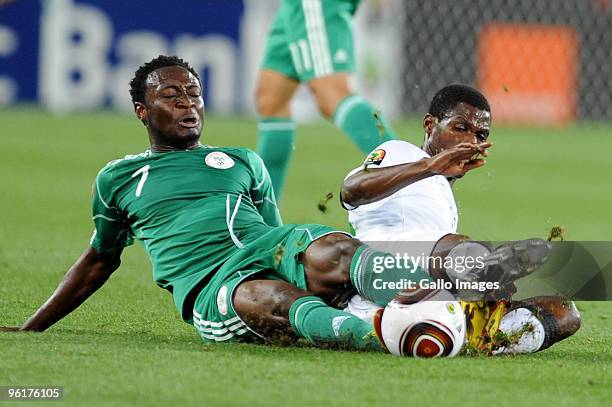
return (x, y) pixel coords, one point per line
(426, 329)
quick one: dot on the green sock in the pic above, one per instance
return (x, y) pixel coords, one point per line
(274, 146)
(379, 276)
(363, 123)
(321, 324)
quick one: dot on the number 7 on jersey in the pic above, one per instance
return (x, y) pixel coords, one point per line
(145, 174)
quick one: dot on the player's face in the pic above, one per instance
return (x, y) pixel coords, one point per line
(463, 123)
(174, 109)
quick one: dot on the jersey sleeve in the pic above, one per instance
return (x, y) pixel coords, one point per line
(112, 230)
(394, 152)
(388, 154)
(262, 192)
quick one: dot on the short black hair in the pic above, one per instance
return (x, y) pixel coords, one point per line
(450, 96)
(137, 84)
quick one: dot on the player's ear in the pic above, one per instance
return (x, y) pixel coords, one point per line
(429, 122)
(141, 112)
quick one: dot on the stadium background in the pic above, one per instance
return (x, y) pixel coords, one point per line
(64, 69)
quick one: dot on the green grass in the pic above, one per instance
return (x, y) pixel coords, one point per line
(127, 345)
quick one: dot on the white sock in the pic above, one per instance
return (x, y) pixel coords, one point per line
(522, 319)
(362, 308)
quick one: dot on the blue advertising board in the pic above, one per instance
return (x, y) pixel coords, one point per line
(81, 54)
(19, 39)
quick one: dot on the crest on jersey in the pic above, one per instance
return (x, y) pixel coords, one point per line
(219, 160)
(375, 157)
(222, 300)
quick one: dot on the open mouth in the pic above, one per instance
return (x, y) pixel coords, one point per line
(189, 122)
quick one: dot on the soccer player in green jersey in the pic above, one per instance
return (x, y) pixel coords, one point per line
(208, 220)
(311, 42)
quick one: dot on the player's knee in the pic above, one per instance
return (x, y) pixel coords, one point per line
(329, 92)
(328, 259)
(334, 247)
(327, 105)
(346, 251)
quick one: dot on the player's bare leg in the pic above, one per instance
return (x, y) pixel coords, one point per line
(280, 312)
(264, 306)
(329, 91)
(327, 262)
(273, 94)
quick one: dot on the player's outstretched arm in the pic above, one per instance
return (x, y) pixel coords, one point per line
(88, 274)
(373, 184)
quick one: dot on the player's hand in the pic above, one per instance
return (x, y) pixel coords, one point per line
(9, 329)
(458, 160)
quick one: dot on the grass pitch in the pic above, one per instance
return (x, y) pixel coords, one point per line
(127, 345)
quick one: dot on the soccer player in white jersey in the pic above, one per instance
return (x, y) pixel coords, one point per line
(403, 193)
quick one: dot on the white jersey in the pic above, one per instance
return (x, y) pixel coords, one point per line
(423, 211)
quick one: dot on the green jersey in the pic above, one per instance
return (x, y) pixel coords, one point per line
(311, 39)
(191, 210)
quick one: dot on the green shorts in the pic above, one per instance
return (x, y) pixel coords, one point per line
(274, 256)
(311, 38)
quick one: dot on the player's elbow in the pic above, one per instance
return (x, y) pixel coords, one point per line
(106, 268)
(95, 276)
(99, 266)
(351, 191)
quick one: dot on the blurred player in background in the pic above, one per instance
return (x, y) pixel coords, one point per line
(311, 42)
(403, 193)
